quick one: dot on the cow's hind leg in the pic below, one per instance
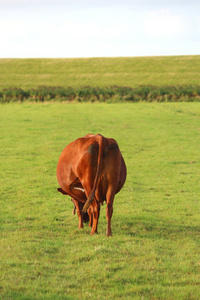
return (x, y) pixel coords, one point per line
(95, 216)
(80, 213)
(90, 216)
(109, 211)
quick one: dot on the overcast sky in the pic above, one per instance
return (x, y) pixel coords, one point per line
(98, 28)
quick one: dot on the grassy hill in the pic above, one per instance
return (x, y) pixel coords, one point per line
(121, 71)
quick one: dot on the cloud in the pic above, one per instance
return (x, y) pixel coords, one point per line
(78, 28)
(198, 24)
(12, 28)
(163, 23)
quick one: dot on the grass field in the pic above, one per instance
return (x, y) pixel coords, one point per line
(155, 249)
(122, 71)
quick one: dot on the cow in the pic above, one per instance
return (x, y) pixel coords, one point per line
(91, 170)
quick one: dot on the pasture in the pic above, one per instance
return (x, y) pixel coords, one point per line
(120, 71)
(155, 249)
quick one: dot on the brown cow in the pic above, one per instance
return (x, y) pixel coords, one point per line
(92, 170)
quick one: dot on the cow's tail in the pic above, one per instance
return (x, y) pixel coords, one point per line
(90, 199)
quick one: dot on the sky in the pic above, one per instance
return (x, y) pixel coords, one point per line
(98, 28)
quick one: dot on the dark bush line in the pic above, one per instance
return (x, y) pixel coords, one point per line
(103, 94)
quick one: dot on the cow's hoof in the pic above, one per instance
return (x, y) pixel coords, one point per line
(93, 232)
(108, 233)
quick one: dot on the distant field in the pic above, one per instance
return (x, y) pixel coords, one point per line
(129, 71)
(155, 249)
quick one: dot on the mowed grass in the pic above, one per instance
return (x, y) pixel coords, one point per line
(121, 71)
(155, 249)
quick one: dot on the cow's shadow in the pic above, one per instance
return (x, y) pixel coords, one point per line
(157, 228)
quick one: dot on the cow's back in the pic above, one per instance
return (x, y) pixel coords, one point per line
(82, 154)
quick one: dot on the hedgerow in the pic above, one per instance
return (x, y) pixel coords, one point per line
(104, 94)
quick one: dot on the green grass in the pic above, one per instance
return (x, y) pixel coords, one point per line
(155, 249)
(123, 71)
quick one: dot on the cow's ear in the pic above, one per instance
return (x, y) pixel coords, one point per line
(61, 191)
